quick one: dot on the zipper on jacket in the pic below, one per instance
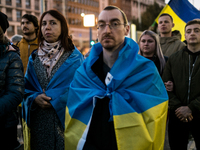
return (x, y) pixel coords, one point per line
(190, 76)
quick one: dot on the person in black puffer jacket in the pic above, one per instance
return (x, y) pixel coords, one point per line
(11, 87)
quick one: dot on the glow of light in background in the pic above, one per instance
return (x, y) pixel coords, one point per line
(89, 20)
(196, 3)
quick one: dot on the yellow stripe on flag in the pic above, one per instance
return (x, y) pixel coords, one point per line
(26, 135)
(144, 131)
(73, 132)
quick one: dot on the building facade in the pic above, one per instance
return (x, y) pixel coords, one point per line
(72, 10)
(14, 9)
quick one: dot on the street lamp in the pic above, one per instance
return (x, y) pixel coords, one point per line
(89, 21)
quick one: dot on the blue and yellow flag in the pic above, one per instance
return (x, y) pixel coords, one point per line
(138, 101)
(58, 85)
(181, 11)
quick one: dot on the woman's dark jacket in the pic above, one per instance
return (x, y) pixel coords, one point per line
(11, 87)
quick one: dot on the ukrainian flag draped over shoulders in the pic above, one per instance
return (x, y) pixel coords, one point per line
(137, 95)
(181, 11)
(58, 85)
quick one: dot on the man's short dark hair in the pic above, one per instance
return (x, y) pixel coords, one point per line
(194, 21)
(32, 19)
(123, 14)
(166, 14)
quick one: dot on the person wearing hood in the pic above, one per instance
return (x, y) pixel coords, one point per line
(11, 87)
(170, 41)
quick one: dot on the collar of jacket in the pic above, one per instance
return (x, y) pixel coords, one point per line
(23, 40)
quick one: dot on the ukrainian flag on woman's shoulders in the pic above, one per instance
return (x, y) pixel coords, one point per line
(181, 11)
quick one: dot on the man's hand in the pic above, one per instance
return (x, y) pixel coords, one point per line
(184, 113)
(43, 101)
(169, 85)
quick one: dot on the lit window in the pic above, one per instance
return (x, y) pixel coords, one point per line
(18, 3)
(28, 4)
(19, 30)
(10, 31)
(9, 14)
(8, 2)
(37, 5)
(19, 14)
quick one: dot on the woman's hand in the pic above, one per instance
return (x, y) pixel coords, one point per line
(43, 101)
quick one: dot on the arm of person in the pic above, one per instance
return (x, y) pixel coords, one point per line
(174, 102)
(181, 46)
(14, 88)
(195, 106)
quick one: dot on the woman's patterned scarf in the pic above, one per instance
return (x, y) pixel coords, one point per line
(49, 54)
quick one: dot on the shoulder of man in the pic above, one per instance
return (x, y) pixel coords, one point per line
(21, 41)
(14, 48)
(177, 54)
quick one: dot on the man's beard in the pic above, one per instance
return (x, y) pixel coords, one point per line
(29, 33)
(108, 47)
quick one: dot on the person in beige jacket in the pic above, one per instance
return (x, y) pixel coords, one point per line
(170, 41)
(29, 42)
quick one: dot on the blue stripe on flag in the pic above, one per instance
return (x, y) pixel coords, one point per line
(184, 9)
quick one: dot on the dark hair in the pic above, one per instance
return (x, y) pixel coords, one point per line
(166, 14)
(194, 21)
(3, 38)
(4, 21)
(64, 37)
(32, 19)
(123, 14)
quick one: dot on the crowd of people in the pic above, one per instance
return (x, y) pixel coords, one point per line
(121, 95)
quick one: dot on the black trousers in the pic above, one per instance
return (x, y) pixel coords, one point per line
(178, 132)
(8, 138)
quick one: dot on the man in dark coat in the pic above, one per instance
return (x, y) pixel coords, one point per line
(183, 70)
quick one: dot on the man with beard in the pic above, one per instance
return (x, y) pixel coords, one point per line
(170, 41)
(29, 42)
(117, 99)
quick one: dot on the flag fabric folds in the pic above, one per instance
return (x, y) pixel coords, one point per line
(138, 101)
(181, 11)
(57, 87)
